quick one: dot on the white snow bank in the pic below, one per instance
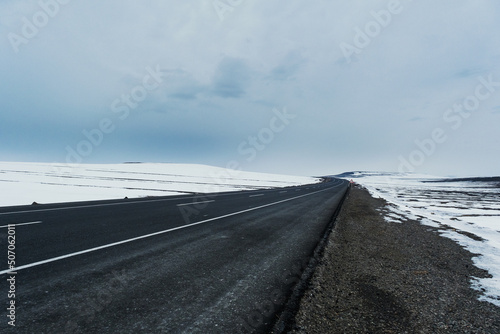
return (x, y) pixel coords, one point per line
(455, 207)
(25, 183)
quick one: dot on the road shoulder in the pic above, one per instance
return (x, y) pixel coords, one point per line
(383, 277)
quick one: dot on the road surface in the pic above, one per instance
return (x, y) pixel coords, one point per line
(217, 263)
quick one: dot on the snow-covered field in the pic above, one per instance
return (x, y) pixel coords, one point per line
(25, 183)
(465, 211)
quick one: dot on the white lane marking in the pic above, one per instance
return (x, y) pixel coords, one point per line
(20, 224)
(90, 206)
(256, 195)
(35, 264)
(195, 203)
(282, 192)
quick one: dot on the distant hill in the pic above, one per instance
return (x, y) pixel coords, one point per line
(358, 174)
(469, 179)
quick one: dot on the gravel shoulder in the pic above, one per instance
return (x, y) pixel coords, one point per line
(380, 277)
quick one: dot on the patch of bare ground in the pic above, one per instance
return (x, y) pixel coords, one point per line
(380, 277)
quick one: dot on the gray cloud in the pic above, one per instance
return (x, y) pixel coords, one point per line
(222, 80)
(231, 78)
(289, 67)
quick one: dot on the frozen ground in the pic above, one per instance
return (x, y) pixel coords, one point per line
(467, 211)
(25, 183)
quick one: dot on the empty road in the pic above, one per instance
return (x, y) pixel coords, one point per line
(216, 263)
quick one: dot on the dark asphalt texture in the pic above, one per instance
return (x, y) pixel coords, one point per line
(215, 275)
(383, 277)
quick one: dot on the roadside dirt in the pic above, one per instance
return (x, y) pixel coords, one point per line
(380, 277)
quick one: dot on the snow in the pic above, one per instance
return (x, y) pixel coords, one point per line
(25, 183)
(467, 212)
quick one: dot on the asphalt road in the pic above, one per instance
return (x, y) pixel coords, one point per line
(218, 263)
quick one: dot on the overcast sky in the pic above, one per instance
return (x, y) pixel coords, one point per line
(284, 86)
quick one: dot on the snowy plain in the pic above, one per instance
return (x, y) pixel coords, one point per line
(465, 211)
(43, 183)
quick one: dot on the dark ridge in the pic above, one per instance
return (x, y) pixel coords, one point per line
(468, 179)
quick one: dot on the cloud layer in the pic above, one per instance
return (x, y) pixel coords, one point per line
(368, 83)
